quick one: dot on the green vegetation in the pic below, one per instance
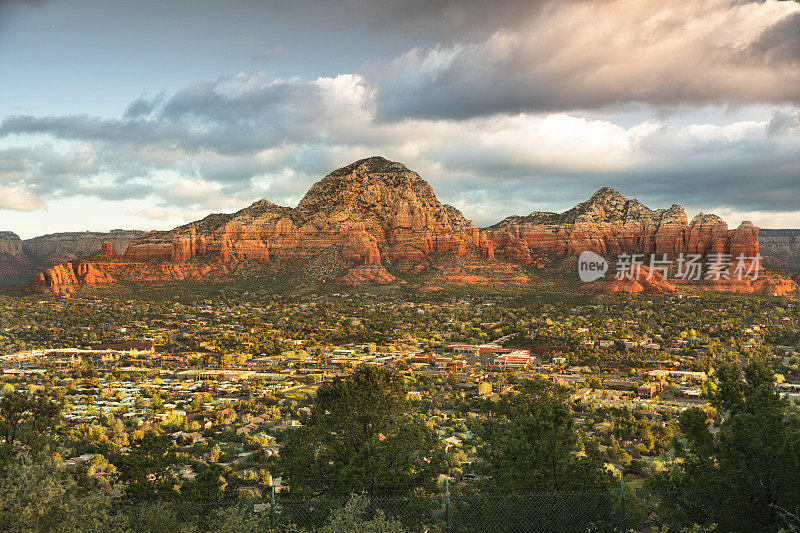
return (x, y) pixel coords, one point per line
(335, 394)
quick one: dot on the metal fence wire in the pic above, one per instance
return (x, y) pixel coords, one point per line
(553, 512)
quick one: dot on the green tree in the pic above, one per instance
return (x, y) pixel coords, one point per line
(38, 494)
(362, 436)
(27, 420)
(144, 469)
(745, 477)
(352, 519)
(531, 446)
(530, 443)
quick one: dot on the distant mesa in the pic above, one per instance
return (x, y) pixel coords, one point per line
(375, 221)
(21, 260)
(609, 223)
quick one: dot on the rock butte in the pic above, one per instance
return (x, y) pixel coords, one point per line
(609, 223)
(21, 260)
(379, 215)
(631, 282)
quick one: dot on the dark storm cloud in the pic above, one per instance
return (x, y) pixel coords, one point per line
(449, 19)
(567, 56)
(781, 41)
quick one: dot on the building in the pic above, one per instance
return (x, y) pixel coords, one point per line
(649, 390)
(679, 374)
(619, 384)
(127, 348)
(515, 360)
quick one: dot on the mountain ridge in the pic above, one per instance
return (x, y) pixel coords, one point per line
(22, 259)
(376, 214)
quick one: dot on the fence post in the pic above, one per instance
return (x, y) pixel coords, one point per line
(272, 509)
(447, 505)
(622, 501)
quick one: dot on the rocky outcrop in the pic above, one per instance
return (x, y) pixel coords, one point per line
(21, 260)
(15, 267)
(769, 284)
(652, 281)
(367, 274)
(66, 278)
(633, 281)
(378, 212)
(104, 268)
(375, 219)
(780, 248)
(609, 223)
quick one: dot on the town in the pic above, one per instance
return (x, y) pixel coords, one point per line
(228, 382)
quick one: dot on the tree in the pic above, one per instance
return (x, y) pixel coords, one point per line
(26, 420)
(531, 445)
(744, 478)
(38, 494)
(352, 519)
(362, 436)
(531, 440)
(145, 468)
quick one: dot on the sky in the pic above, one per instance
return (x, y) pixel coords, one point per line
(150, 114)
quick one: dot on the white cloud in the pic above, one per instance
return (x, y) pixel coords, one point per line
(156, 213)
(570, 56)
(18, 198)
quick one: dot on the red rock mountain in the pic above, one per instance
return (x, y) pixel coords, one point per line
(374, 215)
(15, 267)
(21, 260)
(609, 223)
(377, 212)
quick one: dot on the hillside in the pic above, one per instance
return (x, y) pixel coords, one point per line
(376, 222)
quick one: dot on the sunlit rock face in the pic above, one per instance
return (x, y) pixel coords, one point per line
(377, 211)
(21, 260)
(375, 220)
(610, 223)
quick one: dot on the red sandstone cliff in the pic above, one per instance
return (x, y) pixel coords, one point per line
(610, 223)
(376, 211)
(374, 215)
(67, 277)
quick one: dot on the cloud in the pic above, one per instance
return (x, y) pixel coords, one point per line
(780, 42)
(142, 107)
(570, 56)
(449, 19)
(45, 169)
(157, 213)
(18, 198)
(35, 3)
(783, 123)
(221, 144)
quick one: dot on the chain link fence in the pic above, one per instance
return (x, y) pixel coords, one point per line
(552, 512)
